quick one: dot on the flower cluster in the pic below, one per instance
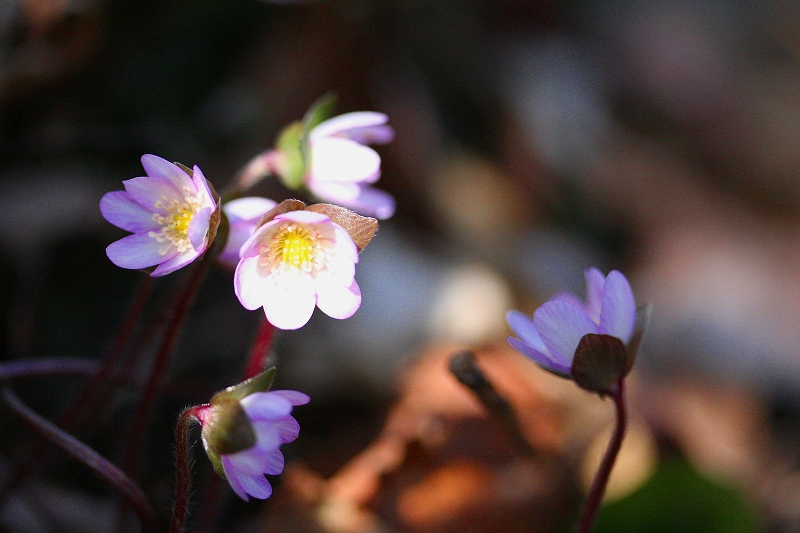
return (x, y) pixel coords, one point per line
(566, 333)
(170, 213)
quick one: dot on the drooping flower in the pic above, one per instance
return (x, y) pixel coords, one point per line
(297, 260)
(244, 215)
(170, 213)
(342, 166)
(242, 437)
(552, 337)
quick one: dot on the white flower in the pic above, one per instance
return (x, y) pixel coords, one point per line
(296, 261)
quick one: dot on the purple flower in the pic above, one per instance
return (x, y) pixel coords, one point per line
(342, 166)
(296, 261)
(244, 215)
(267, 420)
(552, 337)
(169, 213)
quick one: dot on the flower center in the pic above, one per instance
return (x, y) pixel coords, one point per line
(294, 247)
(175, 225)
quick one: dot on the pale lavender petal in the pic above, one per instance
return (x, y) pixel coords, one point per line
(570, 299)
(595, 281)
(151, 191)
(523, 326)
(343, 160)
(252, 246)
(238, 234)
(334, 299)
(233, 478)
(250, 208)
(348, 121)
(202, 187)
(619, 307)
(137, 251)
(176, 263)
(540, 358)
(119, 208)
(242, 480)
(371, 134)
(373, 202)
(294, 397)
(267, 438)
(288, 429)
(341, 266)
(304, 217)
(272, 462)
(335, 192)
(198, 229)
(561, 327)
(289, 301)
(160, 168)
(345, 244)
(248, 284)
(265, 406)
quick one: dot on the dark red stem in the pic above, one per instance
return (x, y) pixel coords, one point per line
(155, 382)
(595, 496)
(86, 455)
(259, 351)
(183, 468)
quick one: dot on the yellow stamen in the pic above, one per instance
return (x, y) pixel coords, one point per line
(294, 247)
(175, 225)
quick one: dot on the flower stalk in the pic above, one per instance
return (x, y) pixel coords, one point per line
(600, 482)
(183, 468)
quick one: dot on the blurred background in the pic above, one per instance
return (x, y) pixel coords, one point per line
(533, 139)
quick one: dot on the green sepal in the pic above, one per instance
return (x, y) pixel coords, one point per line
(259, 383)
(320, 111)
(293, 166)
(600, 362)
(216, 462)
(230, 429)
(639, 327)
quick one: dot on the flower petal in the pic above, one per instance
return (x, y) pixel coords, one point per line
(288, 429)
(561, 327)
(160, 168)
(119, 208)
(138, 251)
(198, 229)
(373, 202)
(337, 159)
(242, 482)
(248, 284)
(250, 208)
(202, 187)
(618, 314)
(265, 406)
(540, 358)
(176, 263)
(523, 326)
(289, 301)
(294, 397)
(341, 124)
(334, 299)
(335, 192)
(273, 462)
(371, 134)
(149, 191)
(304, 217)
(595, 281)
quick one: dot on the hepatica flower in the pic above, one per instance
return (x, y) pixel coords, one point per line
(299, 259)
(244, 216)
(606, 328)
(170, 213)
(242, 437)
(342, 167)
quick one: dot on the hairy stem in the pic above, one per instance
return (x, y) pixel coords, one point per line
(183, 469)
(595, 496)
(86, 455)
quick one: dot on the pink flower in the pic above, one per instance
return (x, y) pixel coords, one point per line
(341, 166)
(267, 424)
(296, 261)
(169, 213)
(244, 215)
